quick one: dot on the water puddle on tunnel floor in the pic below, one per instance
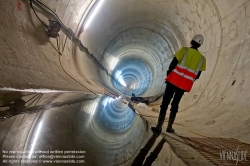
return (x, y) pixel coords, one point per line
(97, 129)
(78, 129)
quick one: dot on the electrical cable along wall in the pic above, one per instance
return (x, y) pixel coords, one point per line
(157, 54)
(69, 34)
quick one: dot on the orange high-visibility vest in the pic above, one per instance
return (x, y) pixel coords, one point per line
(182, 76)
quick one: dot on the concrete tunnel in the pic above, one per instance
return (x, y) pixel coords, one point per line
(124, 47)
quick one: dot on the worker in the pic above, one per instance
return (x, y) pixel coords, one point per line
(184, 69)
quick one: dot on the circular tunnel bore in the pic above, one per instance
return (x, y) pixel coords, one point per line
(132, 76)
(137, 59)
(111, 133)
(114, 115)
(104, 127)
(110, 130)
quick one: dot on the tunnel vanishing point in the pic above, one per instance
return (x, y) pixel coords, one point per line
(68, 69)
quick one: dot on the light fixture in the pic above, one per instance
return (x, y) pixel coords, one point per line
(113, 62)
(94, 11)
(119, 77)
(107, 100)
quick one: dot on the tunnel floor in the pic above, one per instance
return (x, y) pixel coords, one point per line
(65, 124)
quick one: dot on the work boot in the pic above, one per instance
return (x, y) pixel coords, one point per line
(160, 122)
(170, 122)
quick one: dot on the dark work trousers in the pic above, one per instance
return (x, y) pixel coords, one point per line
(170, 91)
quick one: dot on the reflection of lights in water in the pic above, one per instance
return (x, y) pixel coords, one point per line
(115, 116)
(37, 90)
(35, 139)
(118, 76)
(132, 86)
(107, 100)
(93, 13)
(91, 108)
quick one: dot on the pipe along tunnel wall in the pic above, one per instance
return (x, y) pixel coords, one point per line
(143, 35)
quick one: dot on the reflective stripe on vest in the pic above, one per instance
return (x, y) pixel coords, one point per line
(182, 76)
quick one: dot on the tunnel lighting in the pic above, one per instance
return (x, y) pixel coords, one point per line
(93, 13)
(106, 101)
(122, 81)
(113, 62)
(35, 139)
(119, 77)
(92, 107)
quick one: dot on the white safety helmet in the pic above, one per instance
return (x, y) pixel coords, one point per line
(198, 39)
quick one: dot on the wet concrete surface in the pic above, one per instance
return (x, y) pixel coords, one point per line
(66, 122)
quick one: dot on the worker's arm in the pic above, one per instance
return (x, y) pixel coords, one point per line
(198, 75)
(172, 65)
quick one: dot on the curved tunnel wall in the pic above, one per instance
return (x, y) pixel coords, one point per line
(146, 55)
(33, 58)
(225, 24)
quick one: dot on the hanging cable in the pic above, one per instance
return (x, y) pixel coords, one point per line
(58, 49)
(31, 4)
(58, 46)
(75, 39)
(64, 43)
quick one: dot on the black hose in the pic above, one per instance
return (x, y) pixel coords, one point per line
(37, 15)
